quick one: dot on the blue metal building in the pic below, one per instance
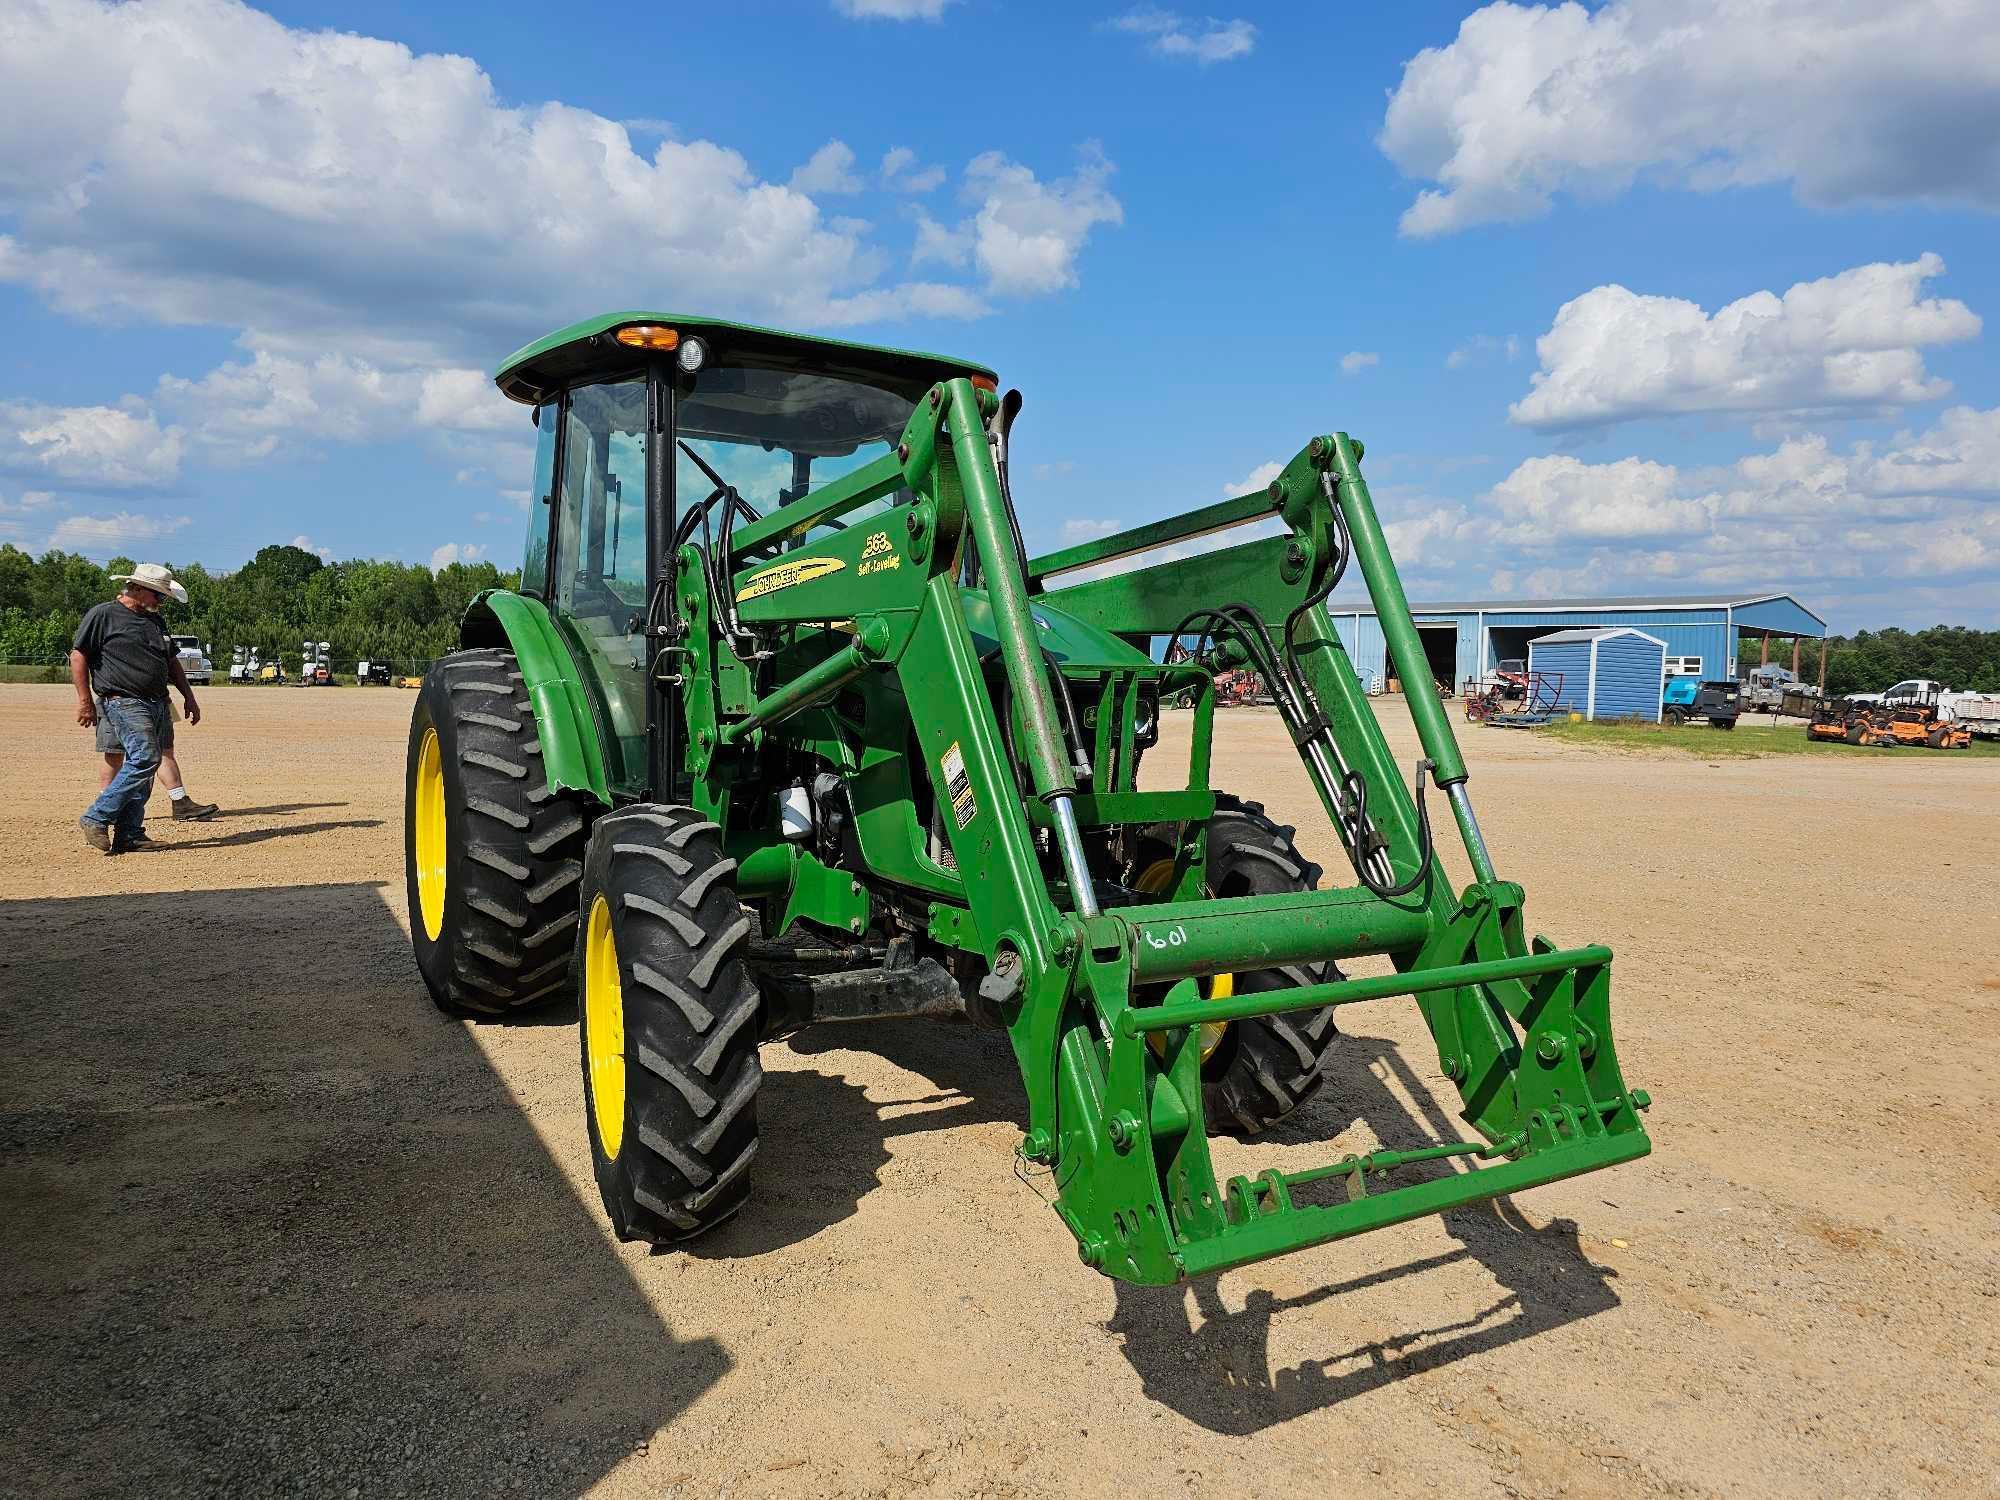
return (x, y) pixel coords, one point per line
(1709, 636)
(1605, 671)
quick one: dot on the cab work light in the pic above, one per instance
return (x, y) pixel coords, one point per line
(648, 336)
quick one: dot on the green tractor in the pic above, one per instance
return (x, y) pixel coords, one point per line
(784, 726)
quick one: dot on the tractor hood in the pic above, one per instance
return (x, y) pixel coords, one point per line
(1067, 638)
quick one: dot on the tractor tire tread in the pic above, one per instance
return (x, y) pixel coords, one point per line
(515, 850)
(1276, 1062)
(692, 1072)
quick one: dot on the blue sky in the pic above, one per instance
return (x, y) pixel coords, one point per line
(1655, 295)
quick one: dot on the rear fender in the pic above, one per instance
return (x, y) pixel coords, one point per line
(571, 753)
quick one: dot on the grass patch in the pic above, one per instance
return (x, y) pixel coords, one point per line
(56, 673)
(1745, 742)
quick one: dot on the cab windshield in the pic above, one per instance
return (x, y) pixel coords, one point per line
(778, 435)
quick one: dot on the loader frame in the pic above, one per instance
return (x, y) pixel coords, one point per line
(883, 667)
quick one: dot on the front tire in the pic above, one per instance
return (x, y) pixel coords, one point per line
(669, 1034)
(1260, 1069)
(491, 856)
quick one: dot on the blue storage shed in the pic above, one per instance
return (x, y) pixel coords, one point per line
(1608, 671)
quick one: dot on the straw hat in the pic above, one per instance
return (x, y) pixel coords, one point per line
(155, 577)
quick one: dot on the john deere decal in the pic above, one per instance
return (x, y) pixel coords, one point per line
(784, 575)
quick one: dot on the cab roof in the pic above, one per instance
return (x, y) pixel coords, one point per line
(533, 374)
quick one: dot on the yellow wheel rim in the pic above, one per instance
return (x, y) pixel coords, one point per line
(1153, 881)
(604, 1027)
(430, 821)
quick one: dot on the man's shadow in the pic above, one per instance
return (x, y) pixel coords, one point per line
(1213, 1365)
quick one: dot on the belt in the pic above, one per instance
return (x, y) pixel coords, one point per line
(121, 693)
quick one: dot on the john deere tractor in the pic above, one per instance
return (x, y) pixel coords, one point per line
(783, 726)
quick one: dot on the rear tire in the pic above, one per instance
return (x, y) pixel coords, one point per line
(491, 856)
(669, 1024)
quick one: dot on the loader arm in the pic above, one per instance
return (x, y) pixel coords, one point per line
(1100, 998)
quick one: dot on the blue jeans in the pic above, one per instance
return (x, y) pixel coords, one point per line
(140, 727)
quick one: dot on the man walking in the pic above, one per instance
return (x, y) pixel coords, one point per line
(122, 652)
(185, 808)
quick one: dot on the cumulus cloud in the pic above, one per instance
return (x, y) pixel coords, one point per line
(891, 10)
(456, 552)
(90, 447)
(1257, 479)
(331, 197)
(943, 244)
(1559, 496)
(1203, 42)
(1922, 504)
(1850, 101)
(122, 531)
(1482, 346)
(307, 544)
(1087, 529)
(1356, 360)
(1027, 234)
(1024, 235)
(1439, 532)
(247, 410)
(1846, 342)
(901, 173)
(828, 170)
(197, 161)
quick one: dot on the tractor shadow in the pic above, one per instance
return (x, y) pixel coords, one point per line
(274, 1224)
(822, 1142)
(1213, 1365)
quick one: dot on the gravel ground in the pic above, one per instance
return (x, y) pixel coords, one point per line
(273, 1226)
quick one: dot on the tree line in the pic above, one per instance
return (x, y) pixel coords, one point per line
(408, 613)
(401, 612)
(1870, 660)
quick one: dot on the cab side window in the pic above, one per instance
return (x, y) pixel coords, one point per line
(541, 505)
(601, 557)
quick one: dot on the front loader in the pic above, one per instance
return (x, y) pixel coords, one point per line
(784, 726)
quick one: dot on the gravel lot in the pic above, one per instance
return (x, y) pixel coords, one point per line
(272, 1225)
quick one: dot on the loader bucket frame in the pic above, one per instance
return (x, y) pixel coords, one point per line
(1102, 1006)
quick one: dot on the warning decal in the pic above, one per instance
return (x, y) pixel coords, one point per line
(784, 575)
(956, 787)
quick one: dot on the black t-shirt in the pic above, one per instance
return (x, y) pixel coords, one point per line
(127, 649)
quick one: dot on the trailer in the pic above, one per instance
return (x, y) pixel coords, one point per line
(1979, 713)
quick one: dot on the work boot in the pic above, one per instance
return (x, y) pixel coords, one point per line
(96, 835)
(187, 810)
(139, 840)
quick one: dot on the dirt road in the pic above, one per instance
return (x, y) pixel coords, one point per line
(272, 1225)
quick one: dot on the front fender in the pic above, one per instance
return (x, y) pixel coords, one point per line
(572, 755)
